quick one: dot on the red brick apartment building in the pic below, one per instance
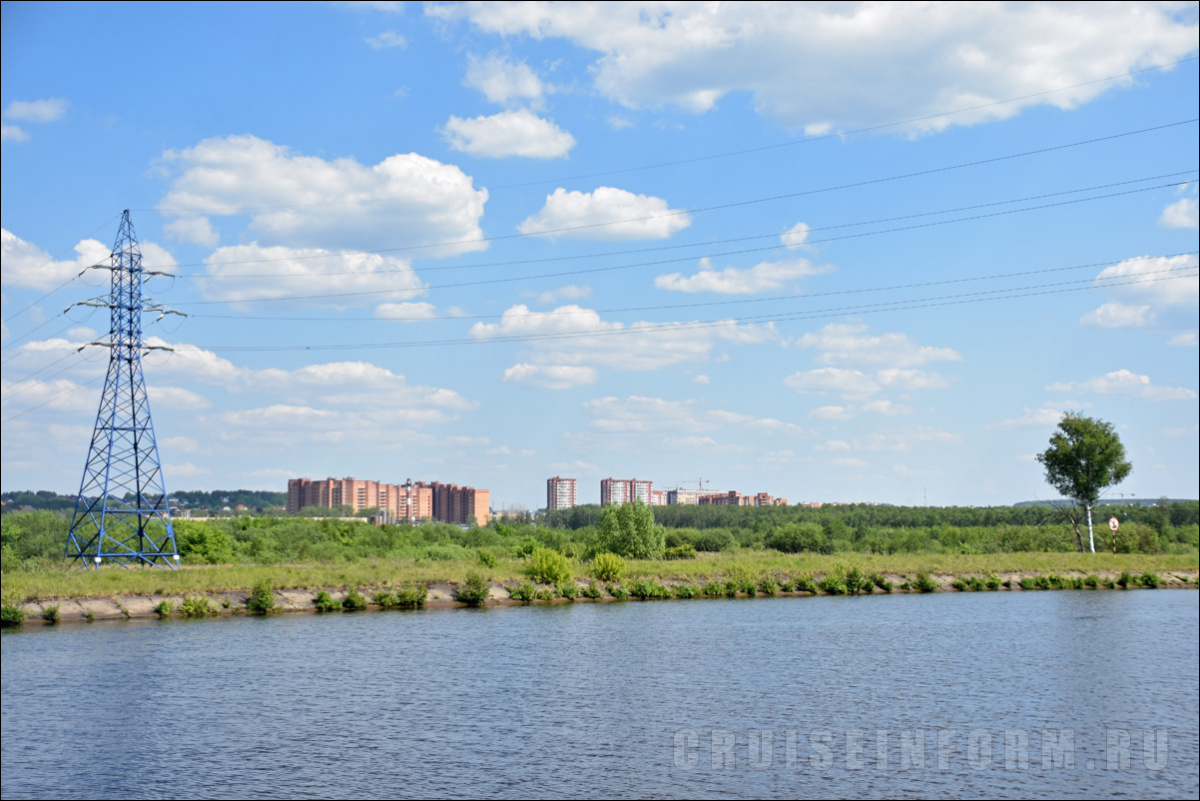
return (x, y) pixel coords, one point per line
(408, 502)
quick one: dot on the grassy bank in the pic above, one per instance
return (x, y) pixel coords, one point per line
(48, 584)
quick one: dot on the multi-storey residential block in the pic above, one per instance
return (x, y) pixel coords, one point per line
(409, 502)
(462, 505)
(560, 493)
(616, 491)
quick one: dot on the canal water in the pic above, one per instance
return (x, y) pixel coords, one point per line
(1072, 694)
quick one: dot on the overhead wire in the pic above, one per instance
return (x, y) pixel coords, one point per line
(615, 268)
(1026, 291)
(696, 210)
(226, 209)
(698, 304)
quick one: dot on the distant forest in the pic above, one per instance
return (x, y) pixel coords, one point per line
(253, 500)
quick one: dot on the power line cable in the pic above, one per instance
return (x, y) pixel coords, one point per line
(697, 304)
(615, 268)
(54, 258)
(702, 209)
(708, 243)
(227, 210)
(1027, 291)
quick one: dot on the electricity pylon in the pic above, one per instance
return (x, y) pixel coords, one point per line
(121, 513)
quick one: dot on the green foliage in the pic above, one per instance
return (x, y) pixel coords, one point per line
(543, 594)
(767, 585)
(1124, 580)
(685, 551)
(324, 602)
(523, 592)
(164, 609)
(1085, 457)
(568, 590)
(196, 606)
(202, 543)
(52, 615)
(618, 591)
(608, 567)
(993, 581)
(593, 590)
(475, 590)
(649, 590)
(526, 546)
(354, 601)
(787, 584)
(262, 599)
(11, 613)
(399, 597)
(487, 558)
(960, 585)
(856, 582)
(806, 584)
(629, 530)
(800, 537)
(713, 589)
(1091, 580)
(685, 590)
(1149, 580)
(924, 583)
(832, 584)
(548, 567)
(882, 582)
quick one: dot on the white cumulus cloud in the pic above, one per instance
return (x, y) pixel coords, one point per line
(47, 110)
(12, 133)
(762, 277)
(1118, 315)
(407, 312)
(387, 39)
(1125, 382)
(501, 80)
(307, 201)
(516, 132)
(843, 343)
(1163, 280)
(24, 264)
(607, 213)
(826, 66)
(551, 376)
(1183, 213)
(316, 277)
(572, 335)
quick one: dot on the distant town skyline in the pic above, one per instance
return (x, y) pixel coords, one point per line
(831, 252)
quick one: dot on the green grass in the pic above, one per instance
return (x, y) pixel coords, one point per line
(702, 571)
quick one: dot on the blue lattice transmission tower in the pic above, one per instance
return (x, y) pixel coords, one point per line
(122, 514)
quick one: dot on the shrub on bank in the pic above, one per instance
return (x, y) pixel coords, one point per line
(196, 606)
(11, 613)
(608, 567)
(323, 602)
(474, 591)
(262, 599)
(354, 601)
(548, 567)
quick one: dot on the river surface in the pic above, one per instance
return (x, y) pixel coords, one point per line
(1011, 694)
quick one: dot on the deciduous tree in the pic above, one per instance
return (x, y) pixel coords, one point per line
(1085, 457)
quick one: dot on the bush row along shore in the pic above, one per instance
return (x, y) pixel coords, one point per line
(475, 589)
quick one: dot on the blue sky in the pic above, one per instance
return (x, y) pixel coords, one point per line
(830, 252)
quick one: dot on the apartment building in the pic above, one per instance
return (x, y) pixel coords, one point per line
(616, 491)
(560, 493)
(409, 502)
